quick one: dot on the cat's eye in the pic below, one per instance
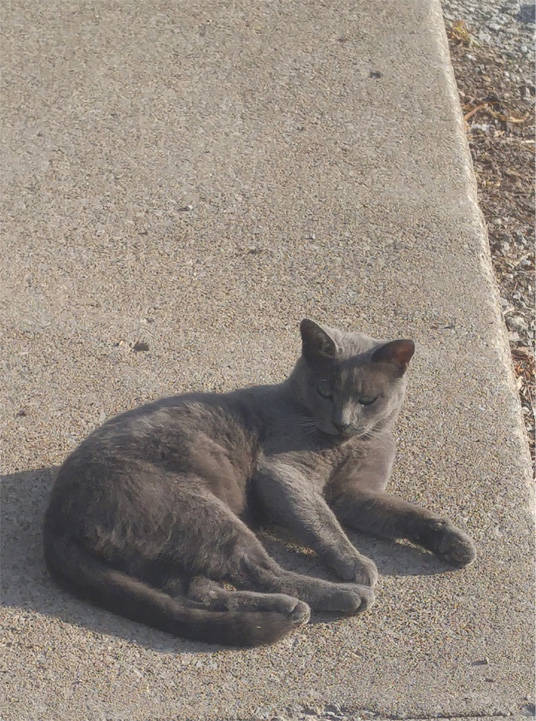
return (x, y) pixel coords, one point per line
(367, 401)
(324, 391)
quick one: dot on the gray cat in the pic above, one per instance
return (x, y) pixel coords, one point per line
(151, 515)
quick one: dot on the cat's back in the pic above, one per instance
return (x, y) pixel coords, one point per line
(206, 440)
(167, 430)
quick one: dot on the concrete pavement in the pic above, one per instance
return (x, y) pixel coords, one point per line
(182, 183)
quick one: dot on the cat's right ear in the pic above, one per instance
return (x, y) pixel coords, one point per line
(317, 344)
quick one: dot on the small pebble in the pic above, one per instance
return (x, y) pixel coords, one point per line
(517, 324)
(527, 14)
(140, 346)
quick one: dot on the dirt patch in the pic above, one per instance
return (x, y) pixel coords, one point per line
(497, 99)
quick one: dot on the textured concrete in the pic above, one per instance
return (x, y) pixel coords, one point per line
(197, 177)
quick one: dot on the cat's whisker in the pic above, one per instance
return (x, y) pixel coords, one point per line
(369, 435)
(310, 426)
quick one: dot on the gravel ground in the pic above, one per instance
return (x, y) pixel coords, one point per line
(492, 51)
(507, 25)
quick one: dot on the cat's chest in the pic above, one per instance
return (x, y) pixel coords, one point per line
(316, 462)
(319, 465)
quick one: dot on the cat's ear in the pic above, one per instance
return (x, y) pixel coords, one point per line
(396, 352)
(317, 344)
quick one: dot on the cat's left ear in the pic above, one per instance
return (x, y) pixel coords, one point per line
(396, 352)
(317, 344)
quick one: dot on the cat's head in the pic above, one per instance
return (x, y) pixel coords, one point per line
(350, 383)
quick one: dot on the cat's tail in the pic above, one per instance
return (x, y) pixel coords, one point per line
(88, 577)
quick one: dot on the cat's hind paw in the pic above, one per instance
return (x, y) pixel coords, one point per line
(359, 598)
(348, 599)
(366, 573)
(357, 569)
(300, 614)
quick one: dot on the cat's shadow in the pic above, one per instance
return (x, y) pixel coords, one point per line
(26, 584)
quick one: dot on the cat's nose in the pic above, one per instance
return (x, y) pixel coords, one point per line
(341, 427)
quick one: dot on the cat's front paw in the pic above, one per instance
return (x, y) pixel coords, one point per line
(456, 547)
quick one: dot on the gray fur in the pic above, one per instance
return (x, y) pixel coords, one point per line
(151, 515)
